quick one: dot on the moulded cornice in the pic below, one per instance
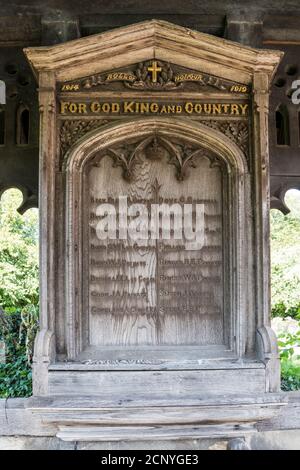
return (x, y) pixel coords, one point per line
(153, 39)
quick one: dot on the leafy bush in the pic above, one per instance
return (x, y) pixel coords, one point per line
(285, 257)
(19, 294)
(10, 323)
(290, 361)
(18, 331)
(15, 373)
(285, 276)
(18, 254)
(281, 310)
(15, 378)
(290, 375)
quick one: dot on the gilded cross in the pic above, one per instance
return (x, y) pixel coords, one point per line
(154, 69)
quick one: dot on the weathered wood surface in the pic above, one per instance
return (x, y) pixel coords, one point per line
(158, 359)
(40, 416)
(89, 402)
(131, 433)
(155, 383)
(77, 258)
(289, 416)
(240, 190)
(175, 290)
(69, 412)
(155, 38)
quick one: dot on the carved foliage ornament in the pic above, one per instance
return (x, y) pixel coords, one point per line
(237, 131)
(182, 155)
(72, 131)
(154, 75)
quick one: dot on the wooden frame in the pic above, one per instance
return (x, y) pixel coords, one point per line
(249, 178)
(238, 191)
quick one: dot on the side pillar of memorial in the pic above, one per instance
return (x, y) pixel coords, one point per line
(154, 201)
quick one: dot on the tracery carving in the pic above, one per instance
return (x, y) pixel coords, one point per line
(72, 130)
(182, 155)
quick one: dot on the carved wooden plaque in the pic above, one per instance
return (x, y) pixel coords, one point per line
(153, 284)
(154, 216)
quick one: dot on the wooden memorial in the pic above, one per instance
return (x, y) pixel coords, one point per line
(154, 123)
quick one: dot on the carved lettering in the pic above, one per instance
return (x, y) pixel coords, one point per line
(124, 107)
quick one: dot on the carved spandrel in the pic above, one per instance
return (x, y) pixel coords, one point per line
(72, 131)
(237, 131)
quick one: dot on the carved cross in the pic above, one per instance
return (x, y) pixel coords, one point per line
(154, 69)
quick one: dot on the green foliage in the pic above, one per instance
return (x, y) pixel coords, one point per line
(290, 362)
(285, 276)
(28, 328)
(16, 378)
(285, 257)
(19, 295)
(287, 343)
(10, 323)
(281, 310)
(18, 254)
(290, 375)
(18, 332)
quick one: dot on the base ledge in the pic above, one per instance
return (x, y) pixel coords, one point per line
(199, 416)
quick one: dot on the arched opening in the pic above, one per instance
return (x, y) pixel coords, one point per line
(19, 293)
(285, 281)
(282, 126)
(23, 121)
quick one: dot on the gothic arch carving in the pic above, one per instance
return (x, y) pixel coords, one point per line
(193, 132)
(183, 140)
(181, 155)
(73, 130)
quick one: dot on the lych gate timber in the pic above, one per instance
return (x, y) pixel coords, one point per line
(151, 112)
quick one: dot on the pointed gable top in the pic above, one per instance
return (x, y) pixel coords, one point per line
(153, 39)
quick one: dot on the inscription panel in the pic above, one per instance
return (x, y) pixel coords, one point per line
(154, 284)
(155, 76)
